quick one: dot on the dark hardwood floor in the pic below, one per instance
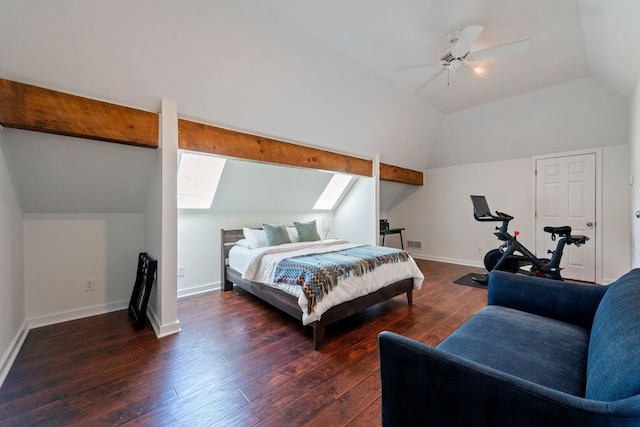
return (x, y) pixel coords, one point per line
(236, 362)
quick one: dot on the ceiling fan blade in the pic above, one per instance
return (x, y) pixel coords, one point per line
(467, 37)
(504, 49)
(413, 66)
(429, 80)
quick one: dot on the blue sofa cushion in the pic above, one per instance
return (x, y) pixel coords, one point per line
(613, 365)
(538, 349)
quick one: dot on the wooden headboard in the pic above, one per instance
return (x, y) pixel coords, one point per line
(228, 239)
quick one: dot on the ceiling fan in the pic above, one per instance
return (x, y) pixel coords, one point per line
(458, 53)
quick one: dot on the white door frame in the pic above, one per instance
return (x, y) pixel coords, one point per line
(598, 231)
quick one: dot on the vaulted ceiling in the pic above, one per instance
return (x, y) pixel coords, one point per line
(319, 73)
(570, 39)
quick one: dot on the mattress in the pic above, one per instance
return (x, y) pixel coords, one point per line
(259, 265)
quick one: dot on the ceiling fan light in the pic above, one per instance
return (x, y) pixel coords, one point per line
(478, 70)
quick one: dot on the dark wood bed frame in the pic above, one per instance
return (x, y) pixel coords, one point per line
(289, 303)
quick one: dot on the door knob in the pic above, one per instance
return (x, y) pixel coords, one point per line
(637, 214)
(590, 224)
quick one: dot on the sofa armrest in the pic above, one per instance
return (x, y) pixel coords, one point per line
(425, 386)
(569, 302)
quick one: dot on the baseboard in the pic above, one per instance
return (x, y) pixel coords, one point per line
(162, 330)
(12, 352)
(37, 322)
(447, 260)
(200, 289)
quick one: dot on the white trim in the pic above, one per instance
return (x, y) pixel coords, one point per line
(12, 352)
(199, 289)
(599, 227)
(153, 320)
(447, 260)
(65, 316)
(162, 330)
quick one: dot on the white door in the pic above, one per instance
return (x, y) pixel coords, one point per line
(566, 195)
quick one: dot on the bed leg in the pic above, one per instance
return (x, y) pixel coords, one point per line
(318, 336)
(226, 286)
(410, 297)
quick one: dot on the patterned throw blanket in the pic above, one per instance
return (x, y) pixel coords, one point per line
(319, 273)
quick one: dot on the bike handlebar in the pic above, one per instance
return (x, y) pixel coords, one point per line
(500, 216)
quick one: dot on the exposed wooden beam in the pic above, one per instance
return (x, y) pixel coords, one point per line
(211, 139)
(29, 107)
(398, 174)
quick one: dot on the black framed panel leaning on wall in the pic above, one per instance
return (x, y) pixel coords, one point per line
(145, 276)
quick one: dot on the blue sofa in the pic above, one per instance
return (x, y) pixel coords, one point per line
(541, 353)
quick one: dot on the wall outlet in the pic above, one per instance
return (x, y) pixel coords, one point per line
(180, 271)
(90, 285)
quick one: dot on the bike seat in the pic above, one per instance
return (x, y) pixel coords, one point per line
(577, 240)
(565, 230)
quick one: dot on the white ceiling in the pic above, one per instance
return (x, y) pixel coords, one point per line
(570, 39)
(321, 73)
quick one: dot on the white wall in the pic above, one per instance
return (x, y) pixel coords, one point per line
(199, 241)
(440, 214)
(634, 141)
(355, 218)
(12, 298)
(572, 116)
(63, 250)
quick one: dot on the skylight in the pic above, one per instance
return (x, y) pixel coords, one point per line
(198, 179)
(333, 191)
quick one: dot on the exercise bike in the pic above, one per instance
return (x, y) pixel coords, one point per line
(513, 256)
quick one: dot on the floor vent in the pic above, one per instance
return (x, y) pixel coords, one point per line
(414, 244)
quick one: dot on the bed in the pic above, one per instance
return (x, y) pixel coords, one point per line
(384, 287)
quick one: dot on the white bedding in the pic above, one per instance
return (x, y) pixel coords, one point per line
(258, 265)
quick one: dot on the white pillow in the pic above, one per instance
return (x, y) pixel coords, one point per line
(293, 234)
(244, 243)
(255, 237)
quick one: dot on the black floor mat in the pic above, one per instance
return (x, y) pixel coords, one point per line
(467, 280)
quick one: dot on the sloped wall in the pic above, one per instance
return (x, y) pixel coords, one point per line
(571, 116)
(60, 174)
(257, 187)
(355, 217)
(12, 298)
